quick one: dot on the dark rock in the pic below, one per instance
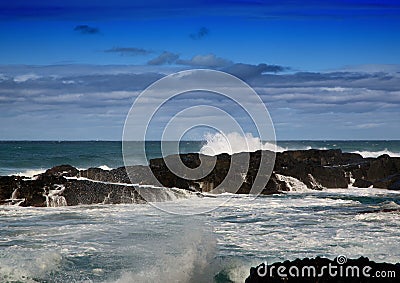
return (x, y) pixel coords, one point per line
(87, 192)
(137, 173)
(7, 186)
(330, 177)
(391, 182)
(382, 167)
(221, 178)
(275, 186)
(62, 170)
(359, 171)
(361, 183)
(317, 169)
(331, 157)
(97, 174)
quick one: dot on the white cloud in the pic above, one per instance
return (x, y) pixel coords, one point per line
(24, 78)
(209, 60)
(302, 104)
(368, 125)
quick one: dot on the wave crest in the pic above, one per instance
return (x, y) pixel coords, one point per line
(30, 172)
(234, 143)
(377, 153)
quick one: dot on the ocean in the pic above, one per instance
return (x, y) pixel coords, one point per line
(141, 243)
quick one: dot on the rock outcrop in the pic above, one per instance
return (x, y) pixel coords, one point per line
(317, 169)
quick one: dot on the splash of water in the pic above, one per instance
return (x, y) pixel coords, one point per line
(188, 259)
(377, 153)
(54, 197)
(30, 173)
(294, 184)
(234, 143)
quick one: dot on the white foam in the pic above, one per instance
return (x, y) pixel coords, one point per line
(14, 200)
(105, 167)
(315, 184)
(16, 267)
(234, 143)
(14, 194)
(294, 184)
(377, 153)
(389, 205)
(352, 180)
(363, 191)
(30, 172)
(54, 197)
(162, 247)
(189, 261)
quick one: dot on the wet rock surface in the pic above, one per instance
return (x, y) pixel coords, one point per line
(317, 169)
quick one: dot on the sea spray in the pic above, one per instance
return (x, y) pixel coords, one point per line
(365, 153)
(294, 184)
(30, 173)
(15, 268)
(54, 197)
(189, 258)
(14, 200)
(234, 143)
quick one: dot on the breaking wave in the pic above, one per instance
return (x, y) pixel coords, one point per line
(30, 172)
(234, 143)
(105, 167)
(377, 153)
(189, 258)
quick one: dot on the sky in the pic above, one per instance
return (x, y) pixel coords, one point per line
(70, 70)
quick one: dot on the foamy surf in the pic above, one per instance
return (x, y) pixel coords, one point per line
(137, 243)
(105, 167)
(294, 184)
(29, 173)
(377, 153)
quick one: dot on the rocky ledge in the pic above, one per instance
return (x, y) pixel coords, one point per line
(312, 169)
(316, 169)
(324, 270)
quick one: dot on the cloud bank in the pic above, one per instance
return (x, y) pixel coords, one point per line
(164, 58)
(94, 98)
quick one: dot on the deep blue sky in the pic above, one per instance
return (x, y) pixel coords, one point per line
(332, 67)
